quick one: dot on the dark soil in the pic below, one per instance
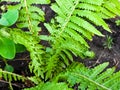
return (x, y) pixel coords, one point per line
(105, 54)
(20, 63)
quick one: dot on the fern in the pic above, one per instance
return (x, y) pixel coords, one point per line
(35, 49)
(9, 76)
(73, 24)
(29, 17)
(110, 8)
(96, 78)
(69, 30)
(90, 79)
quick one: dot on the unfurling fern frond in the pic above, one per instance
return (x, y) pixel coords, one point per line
(73, 24)
(8, 76)
(91, 79)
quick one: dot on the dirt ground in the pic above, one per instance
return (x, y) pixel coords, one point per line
(104, 54)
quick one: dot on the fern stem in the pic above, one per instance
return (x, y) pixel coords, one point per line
(68, 18)
(29, 20)
(13, 74)
(66, 22)
(11, 88)
(101, 86)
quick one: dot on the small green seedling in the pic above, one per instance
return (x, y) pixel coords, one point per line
(117, 22)
(108, 43)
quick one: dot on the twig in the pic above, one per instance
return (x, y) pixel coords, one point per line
(13, 84)
(97, 59)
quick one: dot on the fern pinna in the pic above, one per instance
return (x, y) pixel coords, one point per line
(9, 76)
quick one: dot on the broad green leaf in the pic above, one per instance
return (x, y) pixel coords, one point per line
(7, 48)
(9, 18)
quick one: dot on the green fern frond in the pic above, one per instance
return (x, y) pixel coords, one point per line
(110, 9)
(9, 76)
(29, 14)
(91, 79)
(97, 78)
(35, 49)
(73, 24)
(29, 17)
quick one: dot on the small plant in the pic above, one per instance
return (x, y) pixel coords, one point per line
(108, 43)
(117, 22)
(8, 48)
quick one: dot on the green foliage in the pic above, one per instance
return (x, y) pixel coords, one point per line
(6, 19)
(91, 79)
(97, 78)
(31, 44)
(117, 22)
(29, 17)
(7, 48)
(9, 76)
(73, 24)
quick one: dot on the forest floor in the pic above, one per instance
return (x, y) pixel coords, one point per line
(21, 61)
(102, 52)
